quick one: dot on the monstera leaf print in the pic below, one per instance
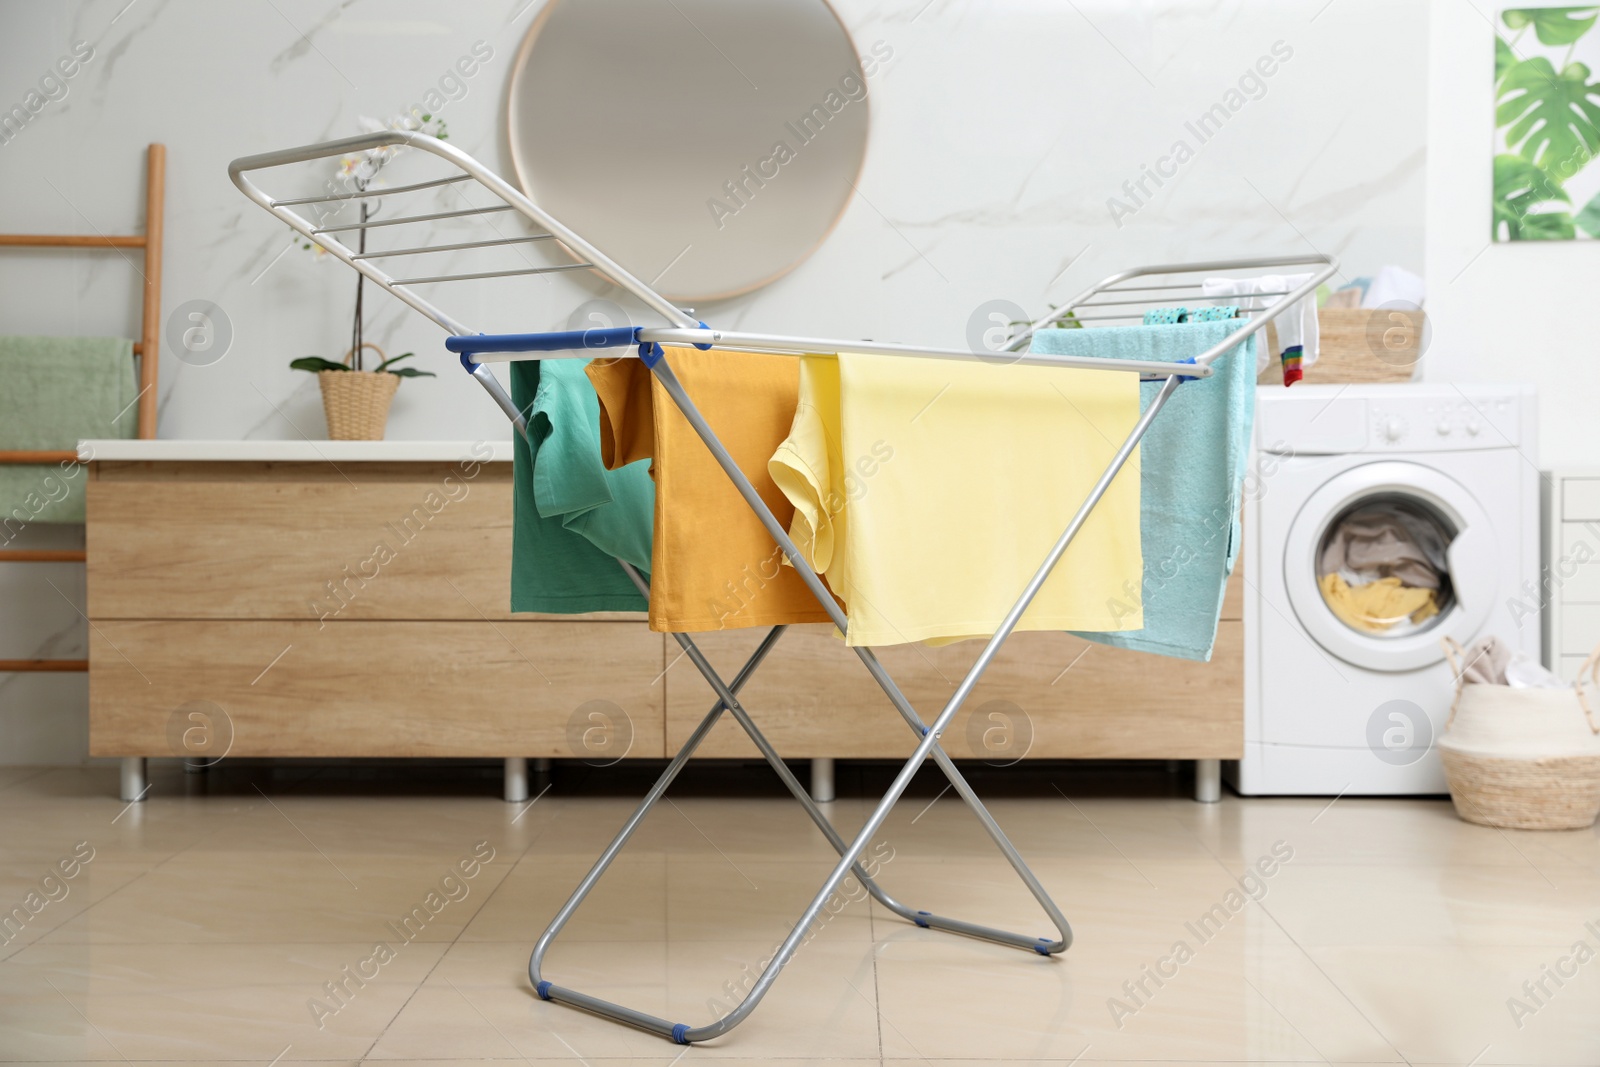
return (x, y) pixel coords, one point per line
(1554, 119)
(1523, 198)
(1547, 122)
(1504, 59)
(1552, 25)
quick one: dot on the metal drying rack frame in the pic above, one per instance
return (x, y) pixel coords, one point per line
(645, 343)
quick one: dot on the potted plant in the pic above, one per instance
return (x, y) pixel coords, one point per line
(354, 399)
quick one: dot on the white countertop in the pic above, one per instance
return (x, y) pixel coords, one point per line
(296, 451)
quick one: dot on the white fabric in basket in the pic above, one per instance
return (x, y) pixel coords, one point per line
(1499, 720)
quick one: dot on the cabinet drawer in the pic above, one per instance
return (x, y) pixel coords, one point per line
(299, 541)
(376, 688)
(1580, 499)
(1580, 629)
(1047, 695)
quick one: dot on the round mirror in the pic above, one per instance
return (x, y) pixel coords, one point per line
(708, 146)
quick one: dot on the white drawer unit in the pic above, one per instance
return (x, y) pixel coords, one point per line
(1569, 578)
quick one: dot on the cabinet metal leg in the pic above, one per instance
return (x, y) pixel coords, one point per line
(541, 765)
(1208, 780)
(516, 779)
(133, 778)
(822, 790)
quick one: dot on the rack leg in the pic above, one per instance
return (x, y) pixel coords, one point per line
(822, 790)
(516, 779)
(1207, 780)
(133, 778)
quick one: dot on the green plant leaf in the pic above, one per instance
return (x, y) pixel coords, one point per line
(396, 359)
(1547, 226)
(1504, 58)
(315, 363)
(1552, 25)
(1588, 220)
(1554, 119)
(412, 372)
(1520, 190)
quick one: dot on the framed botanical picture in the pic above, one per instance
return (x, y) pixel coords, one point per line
(1546, 124)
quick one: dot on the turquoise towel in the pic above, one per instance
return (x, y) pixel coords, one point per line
(1192, 465)
(572, 518)
(54, 392)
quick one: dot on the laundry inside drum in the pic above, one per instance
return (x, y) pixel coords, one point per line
(1383, 567)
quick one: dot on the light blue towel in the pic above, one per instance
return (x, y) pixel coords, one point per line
(1192, 464)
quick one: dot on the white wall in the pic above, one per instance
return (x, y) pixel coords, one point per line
(999, 132)
(1500, 312)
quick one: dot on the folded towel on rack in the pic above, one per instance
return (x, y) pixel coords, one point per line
(54, 392)
(572, 518)
(715, 566)
(1296, 326)
(1192, 477)
(928, 493)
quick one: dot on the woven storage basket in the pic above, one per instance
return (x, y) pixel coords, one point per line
(356, 402)
(1523, 759)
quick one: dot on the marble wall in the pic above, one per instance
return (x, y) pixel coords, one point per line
(1002, 137)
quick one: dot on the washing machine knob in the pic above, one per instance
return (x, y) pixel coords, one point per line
(1394, 428)
(1444, 428)
(1473, 428)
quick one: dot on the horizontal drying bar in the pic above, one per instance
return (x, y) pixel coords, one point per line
(491, 274)
(361, 194)
(455, 247)
(413, 218)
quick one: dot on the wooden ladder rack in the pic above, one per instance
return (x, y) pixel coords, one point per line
(147, 348)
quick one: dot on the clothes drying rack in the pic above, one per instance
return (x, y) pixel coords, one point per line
(464, 183)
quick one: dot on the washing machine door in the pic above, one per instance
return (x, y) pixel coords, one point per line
(1386, 558)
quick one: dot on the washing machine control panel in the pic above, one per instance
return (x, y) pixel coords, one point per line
(1337, 420)
(1441, 422)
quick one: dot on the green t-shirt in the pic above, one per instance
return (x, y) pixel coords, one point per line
(573, 519)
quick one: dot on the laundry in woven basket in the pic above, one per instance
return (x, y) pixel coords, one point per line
(1522, 748)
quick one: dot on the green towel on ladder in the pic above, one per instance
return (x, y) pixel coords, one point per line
(1191, 476)
(54, 392)
(573, 519)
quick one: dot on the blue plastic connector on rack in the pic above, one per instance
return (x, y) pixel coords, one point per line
(704, 347)
(678, 1030)
(919, 922)
(543, 989)
(468, 363)
(651, 353)
(1043, 947)
(1186, 377)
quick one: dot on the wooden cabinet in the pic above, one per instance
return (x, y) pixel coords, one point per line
(360, 608)
(1046, 696)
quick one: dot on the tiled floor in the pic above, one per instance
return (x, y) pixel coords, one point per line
(211, 919)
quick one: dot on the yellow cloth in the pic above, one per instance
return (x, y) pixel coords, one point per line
(1376, 606)
(928, 492)
(713, 566)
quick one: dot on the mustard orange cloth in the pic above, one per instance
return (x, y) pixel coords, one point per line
(713, 565)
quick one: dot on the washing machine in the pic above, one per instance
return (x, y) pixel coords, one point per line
(1431, 491)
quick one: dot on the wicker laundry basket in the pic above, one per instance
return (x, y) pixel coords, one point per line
(356, 402)
(1523, 759)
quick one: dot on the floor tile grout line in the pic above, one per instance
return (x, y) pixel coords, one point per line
(202, 839)
(1308, 958)
(456, 939)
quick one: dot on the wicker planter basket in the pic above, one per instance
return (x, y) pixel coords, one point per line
(1523, 759)
(356, 402)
